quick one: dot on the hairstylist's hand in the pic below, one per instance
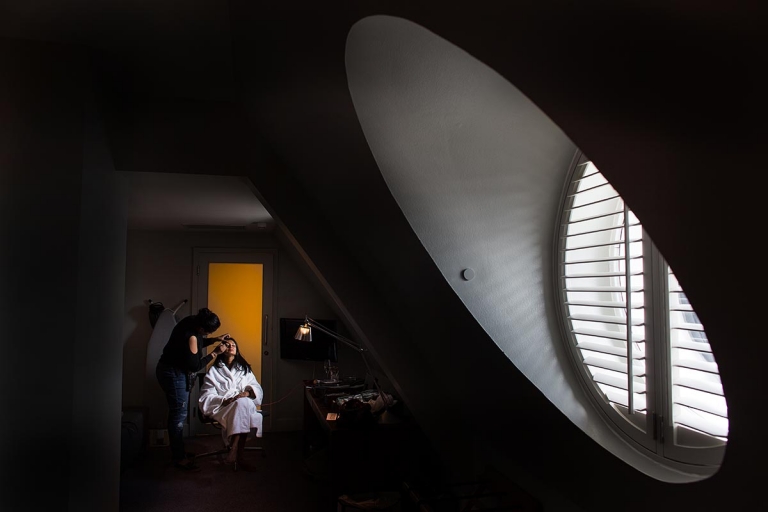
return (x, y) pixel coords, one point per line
(221, 348)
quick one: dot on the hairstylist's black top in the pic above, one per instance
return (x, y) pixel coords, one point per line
(176, 352)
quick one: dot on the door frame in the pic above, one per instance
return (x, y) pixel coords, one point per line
(269, 305)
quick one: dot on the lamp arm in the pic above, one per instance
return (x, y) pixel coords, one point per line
(332, 334)
(349, 343)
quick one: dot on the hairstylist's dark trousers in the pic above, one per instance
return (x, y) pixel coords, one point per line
(174, 383)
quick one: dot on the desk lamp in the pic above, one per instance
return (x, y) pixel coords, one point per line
(304, 333)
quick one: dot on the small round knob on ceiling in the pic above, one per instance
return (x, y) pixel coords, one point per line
(467, 274)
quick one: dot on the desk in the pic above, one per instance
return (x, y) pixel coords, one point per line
(377, 458)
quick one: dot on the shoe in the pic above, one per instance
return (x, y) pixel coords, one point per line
(187, 466)
(231, 465)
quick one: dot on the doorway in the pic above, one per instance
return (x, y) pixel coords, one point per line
(236, 284)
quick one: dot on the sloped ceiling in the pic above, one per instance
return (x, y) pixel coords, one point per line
(176, 202)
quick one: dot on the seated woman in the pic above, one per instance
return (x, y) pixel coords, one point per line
(230, 394)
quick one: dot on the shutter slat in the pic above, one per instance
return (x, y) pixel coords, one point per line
(599, 260)
(603, 244)
(703, 405)
(611, 194)
(601, 274)
(584, 317)
(704, 366)
(599, 333)
(616, 382)
(687, 327)
(614, 365)
(585, 175)
(607, 349)
(692, 345)
(594, 187)
(602, 289)
(700, 385)
(696, 421)
(601, 304)
(591, 232)
(620, 398)
(594, 217)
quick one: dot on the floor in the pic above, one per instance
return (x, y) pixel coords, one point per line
(279, 484)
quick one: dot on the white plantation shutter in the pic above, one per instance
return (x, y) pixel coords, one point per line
(698, 409)
(606, 281)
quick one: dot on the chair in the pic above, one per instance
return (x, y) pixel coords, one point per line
(206, 420)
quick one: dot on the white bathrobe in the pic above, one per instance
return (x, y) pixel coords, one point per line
(240, 416)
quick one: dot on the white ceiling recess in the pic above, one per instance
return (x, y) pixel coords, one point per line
(157, 201)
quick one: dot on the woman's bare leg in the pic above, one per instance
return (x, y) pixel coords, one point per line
(241, 446)
(241, 462)
(234, 448)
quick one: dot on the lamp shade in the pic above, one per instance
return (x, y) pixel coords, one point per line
(304, 332)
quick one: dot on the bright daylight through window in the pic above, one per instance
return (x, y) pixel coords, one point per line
(635, 339)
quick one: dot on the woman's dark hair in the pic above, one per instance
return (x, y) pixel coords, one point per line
(207, 320)
(238, 363)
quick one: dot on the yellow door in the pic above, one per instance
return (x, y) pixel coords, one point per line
(235, 292)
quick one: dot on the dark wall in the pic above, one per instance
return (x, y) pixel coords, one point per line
(97, 366)
(41, 158)
(63, 263)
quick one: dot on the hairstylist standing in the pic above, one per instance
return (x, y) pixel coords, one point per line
(182, 357)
